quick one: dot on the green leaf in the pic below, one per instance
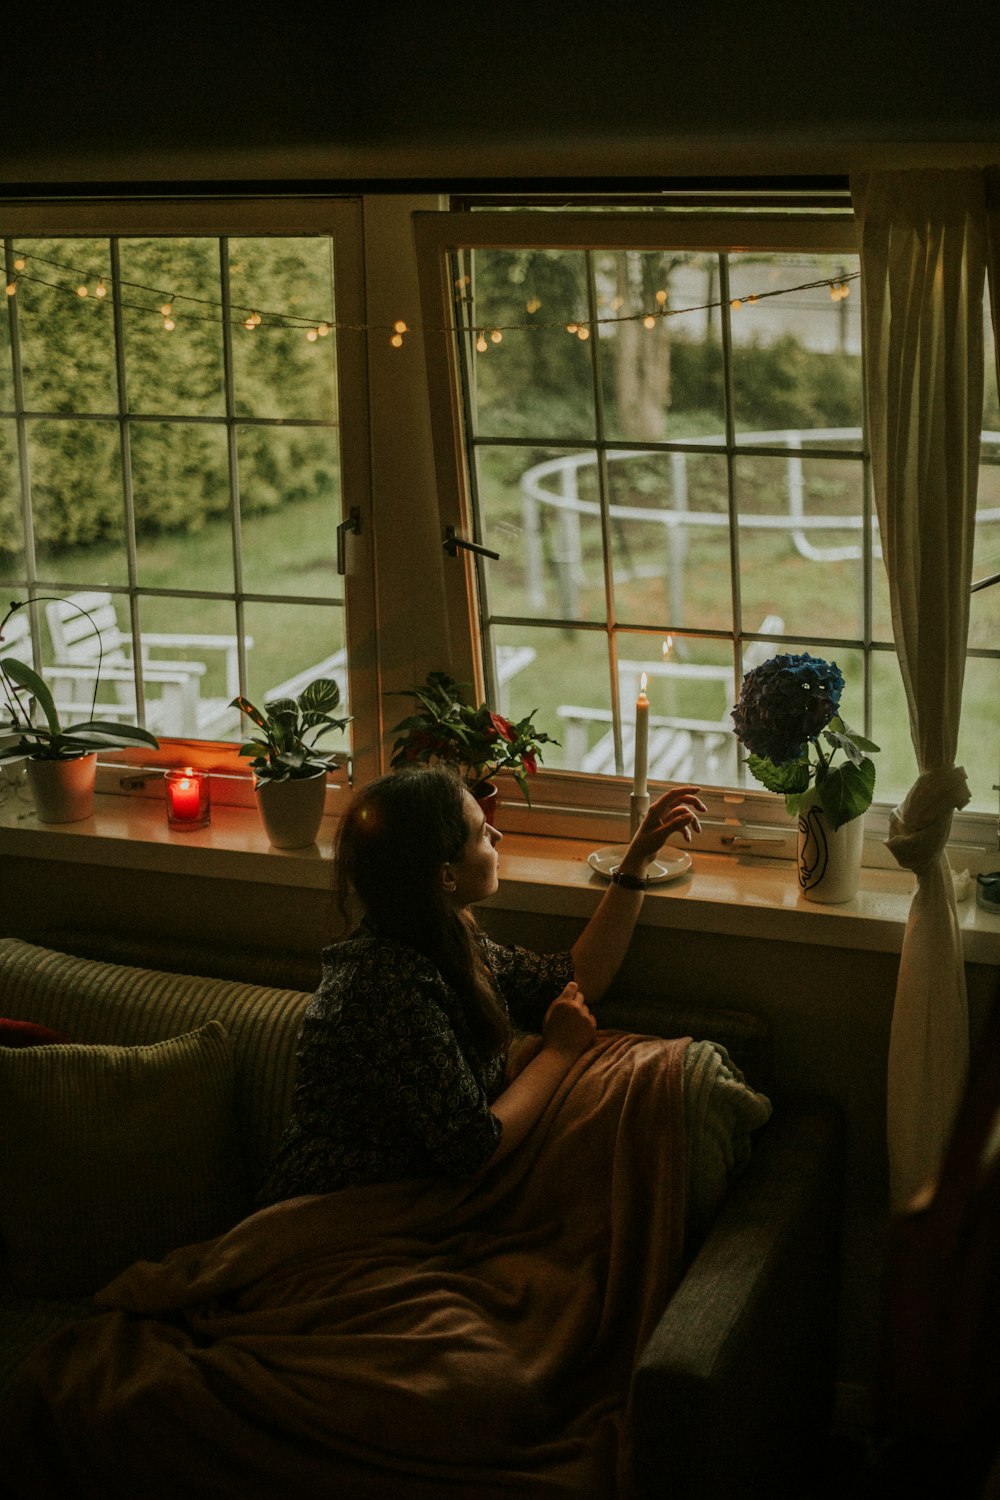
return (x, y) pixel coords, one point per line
(846, 791)
(793, 777)
(320, 696)
(250, 710)
(30, 681)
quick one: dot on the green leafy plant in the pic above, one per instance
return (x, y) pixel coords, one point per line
(448, 730)
(787, 718)
(26, 694)
(286, 748)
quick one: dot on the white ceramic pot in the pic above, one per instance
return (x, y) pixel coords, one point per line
(829, 859)
(63, 790)
(292, 811)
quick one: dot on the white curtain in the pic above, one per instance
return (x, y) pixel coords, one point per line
(923, 257)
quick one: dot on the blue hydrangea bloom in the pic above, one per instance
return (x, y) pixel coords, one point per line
(785, 703)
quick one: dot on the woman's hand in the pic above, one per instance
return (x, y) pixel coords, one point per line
(569, 1027)
(675, 812)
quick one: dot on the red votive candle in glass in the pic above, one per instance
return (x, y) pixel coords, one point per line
(188, 803)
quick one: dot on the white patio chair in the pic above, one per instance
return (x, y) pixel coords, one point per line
(84, 630)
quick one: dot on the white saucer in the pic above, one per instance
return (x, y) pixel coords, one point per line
(667, 866)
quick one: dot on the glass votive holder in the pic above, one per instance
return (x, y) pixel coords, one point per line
(189, 802)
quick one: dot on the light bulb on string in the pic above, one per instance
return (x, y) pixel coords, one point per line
(481, 344)
(649, 321)
(572, 327)
(496, 337)
(169, 325)
(11, 288)
(322, 329)
(100, 289)
(661, 298)
(82, 291)
(533, 304)
(20, 263)
(736, 304)
(583, 332)
(312, 334)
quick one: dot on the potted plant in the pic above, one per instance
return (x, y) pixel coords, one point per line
(787, 717)
(61, 759)
(289, 770)
(478, 742)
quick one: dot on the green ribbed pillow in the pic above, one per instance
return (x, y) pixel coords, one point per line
(110, 1155)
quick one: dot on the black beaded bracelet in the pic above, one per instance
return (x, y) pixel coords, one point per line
(628, 882)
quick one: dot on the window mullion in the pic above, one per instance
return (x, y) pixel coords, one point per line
(232, 452)
(23, 462)
(604, 501)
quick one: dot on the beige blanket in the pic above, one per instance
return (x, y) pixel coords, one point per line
(412, 1340)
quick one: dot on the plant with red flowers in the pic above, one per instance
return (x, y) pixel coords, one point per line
(448, 730)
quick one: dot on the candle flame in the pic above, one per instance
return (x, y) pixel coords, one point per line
(642, 682)
(668, 648)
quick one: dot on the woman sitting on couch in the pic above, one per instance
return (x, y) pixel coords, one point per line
(403, 1051)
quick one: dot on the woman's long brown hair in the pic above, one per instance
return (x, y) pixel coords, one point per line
(391, 844)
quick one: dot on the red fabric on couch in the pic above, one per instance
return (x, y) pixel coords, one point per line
(28, 1034)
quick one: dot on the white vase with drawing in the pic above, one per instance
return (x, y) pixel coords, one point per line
(828, 858)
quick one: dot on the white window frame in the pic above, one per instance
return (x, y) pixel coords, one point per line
(740, 821)
(341, 219)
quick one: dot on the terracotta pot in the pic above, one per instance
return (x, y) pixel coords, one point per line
(63, 789)
(487, 794)
(292, 811)
(829, 859)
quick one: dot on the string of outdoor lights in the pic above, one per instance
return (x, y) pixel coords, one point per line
(252, 318)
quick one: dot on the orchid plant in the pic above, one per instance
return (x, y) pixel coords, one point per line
(788, 718)
(478, 742)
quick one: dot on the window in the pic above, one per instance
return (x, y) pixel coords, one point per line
(172, 455)
(664, 440)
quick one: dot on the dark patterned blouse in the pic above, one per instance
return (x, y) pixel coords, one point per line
(389, 1084)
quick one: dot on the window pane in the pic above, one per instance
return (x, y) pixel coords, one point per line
(11, 525)
(812, 576)
(662, 376)
(984, 612)
(67, 341)
(77, 500)
(6, 370)
(278, 371)
(289, 508)
(178, 370)
(796, 356)
(537, 382)
(978, 741)
(191, 666)
(541, 511)
(567, 683)
(180, 486)
(691, 690)
(293, 645)
(895, 765)
(668, 571)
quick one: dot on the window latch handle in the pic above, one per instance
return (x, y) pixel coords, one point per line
(352, 524)
(453, 542)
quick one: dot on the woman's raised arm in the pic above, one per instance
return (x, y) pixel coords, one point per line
(600, 948)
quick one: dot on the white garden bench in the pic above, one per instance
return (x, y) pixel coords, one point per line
(177, 708)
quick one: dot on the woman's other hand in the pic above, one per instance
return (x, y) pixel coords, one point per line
(569, 1027)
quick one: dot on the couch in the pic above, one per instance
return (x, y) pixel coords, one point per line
(733, 1389)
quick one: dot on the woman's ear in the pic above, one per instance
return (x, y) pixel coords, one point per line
(448, 879)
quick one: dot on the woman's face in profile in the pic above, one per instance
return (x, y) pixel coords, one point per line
(476, 871)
